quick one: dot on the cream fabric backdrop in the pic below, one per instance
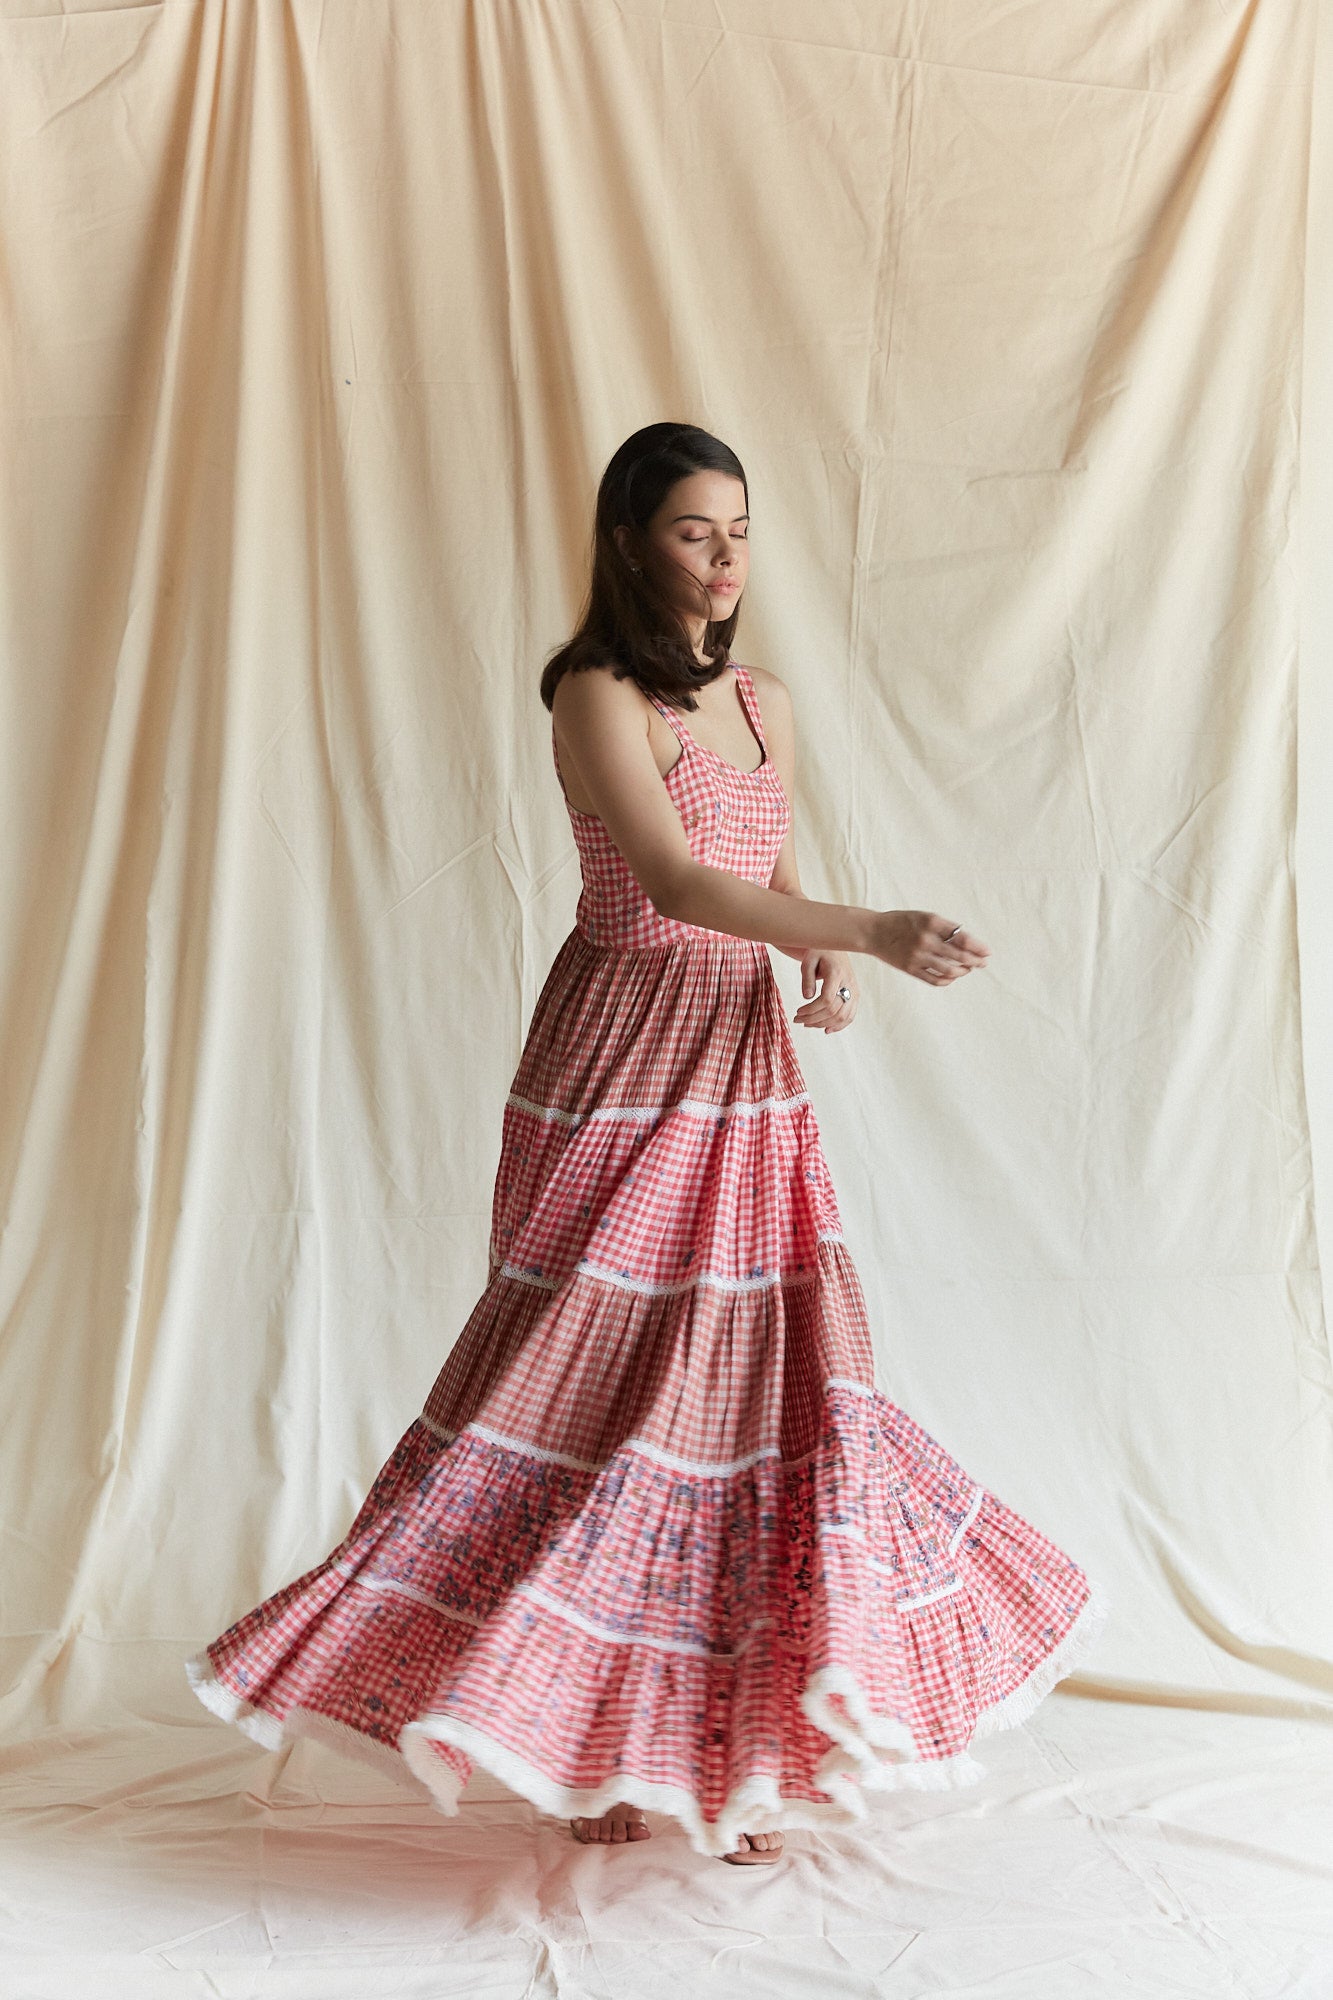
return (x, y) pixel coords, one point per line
(323, 320)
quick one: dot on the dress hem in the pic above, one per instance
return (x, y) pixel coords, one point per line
(869, 1752)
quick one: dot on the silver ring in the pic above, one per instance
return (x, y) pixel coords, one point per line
(844, 993)
(954, 932)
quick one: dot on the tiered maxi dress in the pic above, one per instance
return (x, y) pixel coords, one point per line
(656, 1536)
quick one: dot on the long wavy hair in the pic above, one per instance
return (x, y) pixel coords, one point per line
(628, 621)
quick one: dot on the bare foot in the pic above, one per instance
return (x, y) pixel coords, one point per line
(756, 1848)
(621, 1823)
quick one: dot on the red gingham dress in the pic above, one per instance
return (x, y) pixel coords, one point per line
(656, 1536)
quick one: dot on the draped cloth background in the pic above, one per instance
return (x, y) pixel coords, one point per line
(323, 317)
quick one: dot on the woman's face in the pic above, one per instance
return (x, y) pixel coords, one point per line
(702, 526)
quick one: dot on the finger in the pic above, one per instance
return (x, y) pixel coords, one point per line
(824, 1017)
(949, 938)
(947, 930)
(812, 1016)
(829, 999)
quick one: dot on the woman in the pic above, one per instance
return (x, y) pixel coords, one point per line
(656, 1539)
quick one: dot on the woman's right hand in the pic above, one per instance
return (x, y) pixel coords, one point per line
(918, 941)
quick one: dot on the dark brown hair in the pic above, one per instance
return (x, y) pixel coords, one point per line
(628, 621)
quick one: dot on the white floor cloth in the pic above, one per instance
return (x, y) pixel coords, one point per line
(1116, 1851)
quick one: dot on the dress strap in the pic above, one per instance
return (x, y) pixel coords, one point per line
(750, 703)
(673, 716)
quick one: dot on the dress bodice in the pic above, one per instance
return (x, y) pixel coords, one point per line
(733, 819)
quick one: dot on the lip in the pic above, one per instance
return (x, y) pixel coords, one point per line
(723, 586)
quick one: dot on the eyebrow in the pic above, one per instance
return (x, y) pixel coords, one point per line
(707, 518)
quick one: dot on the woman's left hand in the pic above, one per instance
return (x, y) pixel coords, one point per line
(826, 1010)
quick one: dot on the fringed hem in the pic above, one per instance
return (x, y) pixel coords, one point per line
(253, 1722)
(1077, 1643)
(756, 1806)
(870, 1752)
(878, 1750)
(272, 1734)
(882, 1751)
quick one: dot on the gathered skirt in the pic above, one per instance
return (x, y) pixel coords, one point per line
(656, 1536)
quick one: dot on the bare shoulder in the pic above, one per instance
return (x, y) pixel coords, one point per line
(768, 686)
(594, 693)
(595, 699)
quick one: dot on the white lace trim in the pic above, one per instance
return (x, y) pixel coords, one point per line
(536, 1451)
(376, 1580)
(538, 1278)
(393, 1586)
(373, 1580)
(722, 1468)
(720, 1281)
(850, 1532)
(967, 1520)
(690, 1647)
(694, 1107)
(700, 1468)
(869, 1753)
(849, 1382)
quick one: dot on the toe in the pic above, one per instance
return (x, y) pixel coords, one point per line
(612, 1828)
(747, 1844)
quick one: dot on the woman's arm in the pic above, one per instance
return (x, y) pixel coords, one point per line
(780, 733)
(604, 722)
(830, 989)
